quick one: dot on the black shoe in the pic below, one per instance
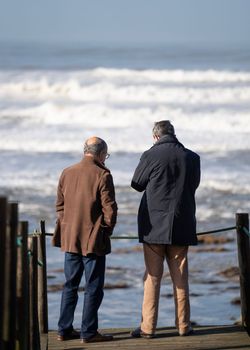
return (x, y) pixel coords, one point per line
(189, 332)
(68, 336)
(97, 338)
(138, 333)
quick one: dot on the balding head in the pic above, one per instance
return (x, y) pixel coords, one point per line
(95, 146)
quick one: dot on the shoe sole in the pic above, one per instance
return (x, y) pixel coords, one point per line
(142, 335)
(84, 341)
(65, 339)
(187, 334)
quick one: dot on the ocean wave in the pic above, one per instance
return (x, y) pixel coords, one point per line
(52, 128)
(123, 76)
(49, 111)
(127, 86)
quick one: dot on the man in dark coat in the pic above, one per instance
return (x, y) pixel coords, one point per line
(87, 211)
(169, 175)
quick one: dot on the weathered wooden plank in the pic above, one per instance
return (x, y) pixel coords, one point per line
(42, 281)
(44, 341)
(34, 324)
(24, 307)
(242, 220)
(3, 223)
(210, 337)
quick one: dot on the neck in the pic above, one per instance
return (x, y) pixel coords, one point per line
(93, 157)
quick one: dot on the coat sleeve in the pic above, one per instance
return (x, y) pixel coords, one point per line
(60, 199)
(141, 176)
(108, 202)
(196, 172)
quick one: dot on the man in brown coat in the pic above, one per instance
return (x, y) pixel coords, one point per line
(87, 211)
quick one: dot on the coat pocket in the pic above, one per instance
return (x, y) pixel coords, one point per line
(102, 243)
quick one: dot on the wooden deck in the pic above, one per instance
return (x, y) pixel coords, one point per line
(205, 338)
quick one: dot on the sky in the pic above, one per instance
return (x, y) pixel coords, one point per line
(193, 22)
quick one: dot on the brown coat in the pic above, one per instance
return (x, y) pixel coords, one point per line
(86, 208)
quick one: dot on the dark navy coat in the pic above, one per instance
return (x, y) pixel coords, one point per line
(169, 174)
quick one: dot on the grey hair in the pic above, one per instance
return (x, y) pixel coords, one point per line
(163, 127)
(95, 148)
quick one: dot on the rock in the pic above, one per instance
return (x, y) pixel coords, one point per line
(208, 250)
(57, 271)
(52, 288)
(137, 248)
(238, 322)
(236, 301)
(50, 276)
(231, 273)
(168, 295)
(117, 285)
(195, 295)
(210, 239)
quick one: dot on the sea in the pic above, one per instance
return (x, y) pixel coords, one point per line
(53, 97)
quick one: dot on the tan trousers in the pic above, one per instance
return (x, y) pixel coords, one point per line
(176, 256)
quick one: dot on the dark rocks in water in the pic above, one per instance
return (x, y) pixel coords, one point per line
(195, 295)
(135, 249)
(110, 270)
(170, 295)
(49, 277)
(118, 285)
(236, 301)
(209, 239)
(195, 280)
(52, 288)
(238, 322)
(208, 250)
(115, 268)
(57, 271)
(231, 273)
(232, 288)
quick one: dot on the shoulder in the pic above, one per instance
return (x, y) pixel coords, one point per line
(192, 154)
(71, 168)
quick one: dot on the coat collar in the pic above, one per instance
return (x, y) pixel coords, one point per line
(168, 139)
(91, 160)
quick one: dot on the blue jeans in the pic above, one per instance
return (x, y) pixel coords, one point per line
(74, 266)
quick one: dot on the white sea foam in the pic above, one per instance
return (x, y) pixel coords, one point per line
(54, 111)
(127, 86)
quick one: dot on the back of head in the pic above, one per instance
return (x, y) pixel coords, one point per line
(95, 146)
(163, 127)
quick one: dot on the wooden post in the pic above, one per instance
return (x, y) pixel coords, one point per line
(3, 223)
(34, 324)
(242, 220)
(23, 289)
(9, 310)
(13, 208)
(42, 281)
(19, 314)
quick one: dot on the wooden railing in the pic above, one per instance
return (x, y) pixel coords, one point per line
(23, 282)
(23, 279)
